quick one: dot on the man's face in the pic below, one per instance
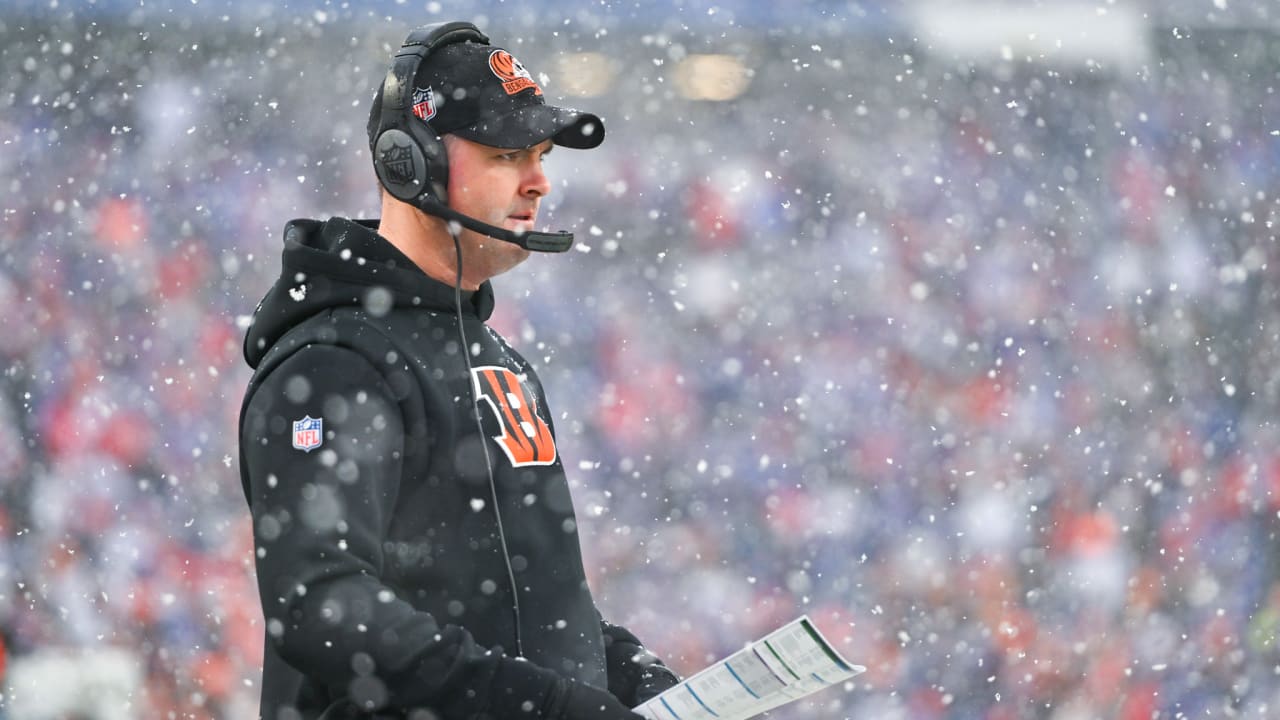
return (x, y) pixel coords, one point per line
(498, 186)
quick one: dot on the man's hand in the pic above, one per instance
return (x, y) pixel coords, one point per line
(635, 674)
(655, 680)
(578, 701)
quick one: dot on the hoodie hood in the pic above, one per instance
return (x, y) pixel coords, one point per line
(343, 263)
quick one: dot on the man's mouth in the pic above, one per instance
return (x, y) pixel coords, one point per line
(521, 221)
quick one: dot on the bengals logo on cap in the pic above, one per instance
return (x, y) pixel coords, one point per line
(512, 73)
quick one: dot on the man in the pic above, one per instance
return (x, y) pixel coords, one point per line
(416, 547)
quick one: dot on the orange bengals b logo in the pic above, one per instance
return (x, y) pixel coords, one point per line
(525, 437)
(512, 73)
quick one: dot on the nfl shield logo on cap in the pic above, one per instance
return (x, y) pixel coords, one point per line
(308, 433)
(424, 103)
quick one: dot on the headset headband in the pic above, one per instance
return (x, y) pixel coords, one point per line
(397, 88)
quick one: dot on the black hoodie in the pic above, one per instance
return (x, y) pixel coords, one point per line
(386, 548)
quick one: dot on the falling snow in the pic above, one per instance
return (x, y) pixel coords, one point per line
(965, 345)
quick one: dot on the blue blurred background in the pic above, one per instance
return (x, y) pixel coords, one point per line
(954, 326)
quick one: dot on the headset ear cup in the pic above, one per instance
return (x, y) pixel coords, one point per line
(401, 164)
(409, 158)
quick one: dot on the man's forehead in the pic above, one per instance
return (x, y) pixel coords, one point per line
(545, 146)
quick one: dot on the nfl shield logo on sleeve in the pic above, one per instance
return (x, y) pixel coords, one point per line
(308, 433)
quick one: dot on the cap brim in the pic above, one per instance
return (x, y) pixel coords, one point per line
(532, 124)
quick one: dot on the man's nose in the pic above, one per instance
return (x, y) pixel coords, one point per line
(536, 183)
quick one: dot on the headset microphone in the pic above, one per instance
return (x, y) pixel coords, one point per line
(555, 242)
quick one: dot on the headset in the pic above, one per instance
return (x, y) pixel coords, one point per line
(410, 157)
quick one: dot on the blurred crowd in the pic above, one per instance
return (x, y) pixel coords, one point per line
(975, 364)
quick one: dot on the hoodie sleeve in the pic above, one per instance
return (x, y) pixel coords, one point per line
(321, 505)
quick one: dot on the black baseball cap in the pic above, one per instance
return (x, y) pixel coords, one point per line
(484, 94)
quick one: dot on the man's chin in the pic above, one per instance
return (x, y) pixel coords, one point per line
(502, 247)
